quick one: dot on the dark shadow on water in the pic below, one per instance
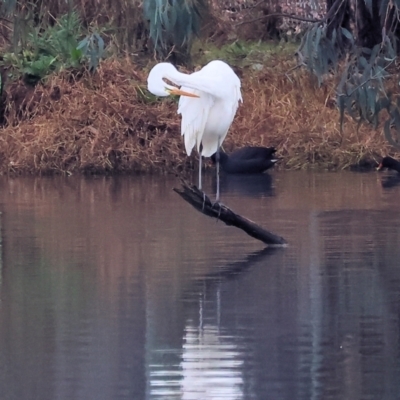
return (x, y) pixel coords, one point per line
(251, 185)
(390, 181)
(227, 272)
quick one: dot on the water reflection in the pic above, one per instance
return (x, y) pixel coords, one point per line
(390, 181)
(232, 270)
(114, 288)
(251, 185)
(211, 365)
(210, 361)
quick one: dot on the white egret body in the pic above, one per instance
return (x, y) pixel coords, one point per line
(208, 103)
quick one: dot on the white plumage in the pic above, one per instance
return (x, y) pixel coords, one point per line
(208, 103)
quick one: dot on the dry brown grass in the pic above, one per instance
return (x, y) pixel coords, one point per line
(301, 120)
(107, 123)
(94, 123)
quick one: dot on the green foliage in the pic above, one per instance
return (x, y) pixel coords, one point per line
(41, 67)
(8, 7)
(244, 54)
(59, 40)
(121, 21)
(362, 91)
(92, 47)
(40, 49)
(318, 51)
(174, 24)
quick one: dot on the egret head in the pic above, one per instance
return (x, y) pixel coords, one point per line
(157, 85)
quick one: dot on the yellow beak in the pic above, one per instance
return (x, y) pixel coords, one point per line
(180, 92)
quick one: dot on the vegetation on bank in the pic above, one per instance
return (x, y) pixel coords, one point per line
(71, 101)
(108, 122)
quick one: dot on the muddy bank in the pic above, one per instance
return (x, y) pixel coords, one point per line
(109, 123)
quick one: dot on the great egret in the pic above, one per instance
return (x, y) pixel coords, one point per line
(390, 163)
(247, 160)
(208, 103)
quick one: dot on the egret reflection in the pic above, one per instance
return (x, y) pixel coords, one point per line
(211, 364)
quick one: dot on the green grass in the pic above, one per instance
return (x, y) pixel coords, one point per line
(240, 53)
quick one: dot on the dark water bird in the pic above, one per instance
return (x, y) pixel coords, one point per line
(246, 160)
(389, 163)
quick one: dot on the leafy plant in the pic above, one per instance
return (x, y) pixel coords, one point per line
(59, 40)
(92, 47)
(173, 25)
(318, 52)
(41, 49)
(363, 90)
(40, 68)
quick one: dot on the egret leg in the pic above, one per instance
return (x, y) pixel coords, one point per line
(217, 158)
(200, 162)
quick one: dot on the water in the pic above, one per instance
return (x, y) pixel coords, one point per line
(115, 288)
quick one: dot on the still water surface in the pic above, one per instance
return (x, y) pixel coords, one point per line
(115, 288)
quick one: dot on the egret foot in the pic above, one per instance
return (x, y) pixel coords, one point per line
(218, 204)
(204, 201)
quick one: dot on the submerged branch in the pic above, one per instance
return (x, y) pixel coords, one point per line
(202, 203)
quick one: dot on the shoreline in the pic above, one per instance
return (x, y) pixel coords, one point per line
(108, 123)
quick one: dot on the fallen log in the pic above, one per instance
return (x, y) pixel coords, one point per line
(201, 202)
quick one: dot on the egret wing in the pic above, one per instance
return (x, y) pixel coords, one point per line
(195, 112)
(216, 78)
(219, 121)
